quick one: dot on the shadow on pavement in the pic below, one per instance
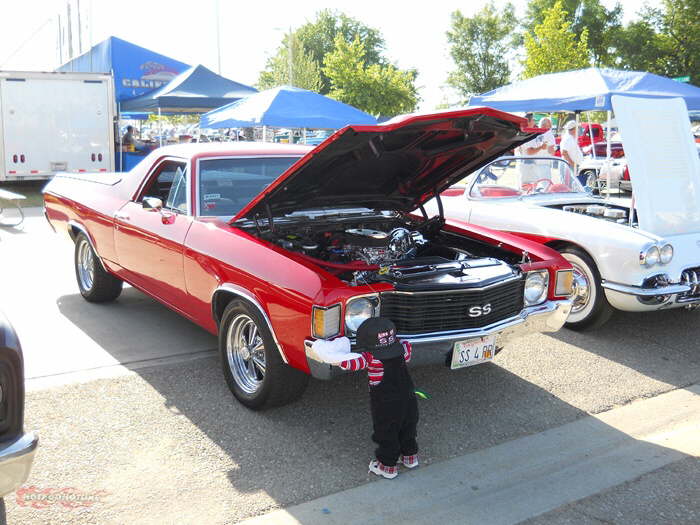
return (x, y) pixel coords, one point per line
(662, 345)
(321, 444)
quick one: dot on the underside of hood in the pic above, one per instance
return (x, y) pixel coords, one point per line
(396, 166)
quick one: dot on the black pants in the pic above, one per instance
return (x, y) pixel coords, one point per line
(394, 413)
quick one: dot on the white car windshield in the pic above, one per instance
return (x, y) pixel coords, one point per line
(520, 176)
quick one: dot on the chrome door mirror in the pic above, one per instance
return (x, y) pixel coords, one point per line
(152, 204)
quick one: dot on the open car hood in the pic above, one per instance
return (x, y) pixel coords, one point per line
(665, 170)
(395, 166)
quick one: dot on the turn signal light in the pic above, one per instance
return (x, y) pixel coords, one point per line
(325, 321)
(564, 285)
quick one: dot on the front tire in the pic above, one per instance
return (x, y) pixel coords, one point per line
(95, 284)
(590, 307)
(252, 365)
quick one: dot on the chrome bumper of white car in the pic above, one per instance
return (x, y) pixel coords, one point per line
(638, 291)
(435, 347)
(16, 459)
(630, 298)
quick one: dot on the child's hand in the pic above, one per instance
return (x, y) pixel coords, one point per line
(335, 351)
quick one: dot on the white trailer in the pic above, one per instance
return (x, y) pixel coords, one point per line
(55, 122)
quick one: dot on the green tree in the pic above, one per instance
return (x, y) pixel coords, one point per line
(374, 88)
(553, 46)
(293, 65)
(602, 24)
(664, 41)
(317, 38)
(479, 45)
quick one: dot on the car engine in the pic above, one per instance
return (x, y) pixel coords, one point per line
(366, 253)
(609, 213)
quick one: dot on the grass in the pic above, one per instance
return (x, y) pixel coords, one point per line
(30, 189)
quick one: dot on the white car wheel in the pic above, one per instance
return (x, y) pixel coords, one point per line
(584, 295)
(590, 308)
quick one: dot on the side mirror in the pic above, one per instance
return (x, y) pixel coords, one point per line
(152, 204)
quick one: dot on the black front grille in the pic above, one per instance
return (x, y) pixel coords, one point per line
(423, 312)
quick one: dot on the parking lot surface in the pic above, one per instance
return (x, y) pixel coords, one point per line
(131, 406)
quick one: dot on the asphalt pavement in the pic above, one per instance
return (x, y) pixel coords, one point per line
(132, 408)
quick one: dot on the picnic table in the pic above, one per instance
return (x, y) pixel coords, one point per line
(16, 199)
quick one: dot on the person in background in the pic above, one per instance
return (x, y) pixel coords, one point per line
(537, 147)
(548, 136)
(570, 151)
(128, 139)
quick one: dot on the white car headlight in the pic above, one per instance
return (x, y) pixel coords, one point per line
(357, 311)
(536, 284)
(650, 256)
(666, 254)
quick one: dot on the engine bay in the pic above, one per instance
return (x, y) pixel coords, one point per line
(410, 256)
(617, 214)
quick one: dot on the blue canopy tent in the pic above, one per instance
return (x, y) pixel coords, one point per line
(584, 90)
(196, 90)
(136, 70)
(286, 107)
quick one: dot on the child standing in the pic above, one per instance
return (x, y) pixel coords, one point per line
(392, 395)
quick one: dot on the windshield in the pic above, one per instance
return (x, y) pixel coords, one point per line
(227, 185)
(513, 177)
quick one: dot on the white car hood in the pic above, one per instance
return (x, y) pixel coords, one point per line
(663, 163)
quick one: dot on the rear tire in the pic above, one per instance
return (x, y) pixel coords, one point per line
(96, 285)
(251, 361)
(591, 308)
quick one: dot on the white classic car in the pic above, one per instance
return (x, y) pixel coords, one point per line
(619, 261)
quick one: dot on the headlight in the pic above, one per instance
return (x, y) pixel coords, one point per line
(325, 321)
(650, 256)
(536, 284)
(357, 311)
(666, 254)
(564, 285)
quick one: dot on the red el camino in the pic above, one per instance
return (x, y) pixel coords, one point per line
(271, 246)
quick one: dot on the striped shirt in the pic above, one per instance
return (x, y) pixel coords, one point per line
(375, 368)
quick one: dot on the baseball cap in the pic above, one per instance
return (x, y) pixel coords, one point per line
(377, 335)
(570, 125)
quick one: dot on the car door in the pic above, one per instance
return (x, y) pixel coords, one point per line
(149, 240)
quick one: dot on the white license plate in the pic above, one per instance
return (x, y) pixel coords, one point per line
(473, 351)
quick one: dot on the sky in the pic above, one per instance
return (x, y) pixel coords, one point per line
(250, 32)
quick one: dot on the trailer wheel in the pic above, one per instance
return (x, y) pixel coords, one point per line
(95, 284)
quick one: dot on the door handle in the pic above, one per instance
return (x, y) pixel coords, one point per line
(121, 215)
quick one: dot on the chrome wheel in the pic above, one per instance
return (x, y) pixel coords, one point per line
(86, 266)
(245, 352)
(582, 290)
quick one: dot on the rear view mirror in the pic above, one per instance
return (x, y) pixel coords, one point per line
(152, 204)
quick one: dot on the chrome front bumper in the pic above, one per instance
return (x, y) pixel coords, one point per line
(434, 347)
(16, 459)
(629, 298)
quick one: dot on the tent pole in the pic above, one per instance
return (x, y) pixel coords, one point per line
(608, 151)
(160, 129)
(590, 133)
(119, 132)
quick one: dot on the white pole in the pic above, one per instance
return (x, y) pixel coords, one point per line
(119, 131)
(160, 129)
(590, 133)
(608, 152)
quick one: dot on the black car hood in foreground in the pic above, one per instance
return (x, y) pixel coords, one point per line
(396, 166)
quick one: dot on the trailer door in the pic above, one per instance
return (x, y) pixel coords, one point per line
(55, 124)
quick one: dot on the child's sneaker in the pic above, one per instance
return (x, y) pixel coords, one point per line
(409, 461)
(382, 470)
